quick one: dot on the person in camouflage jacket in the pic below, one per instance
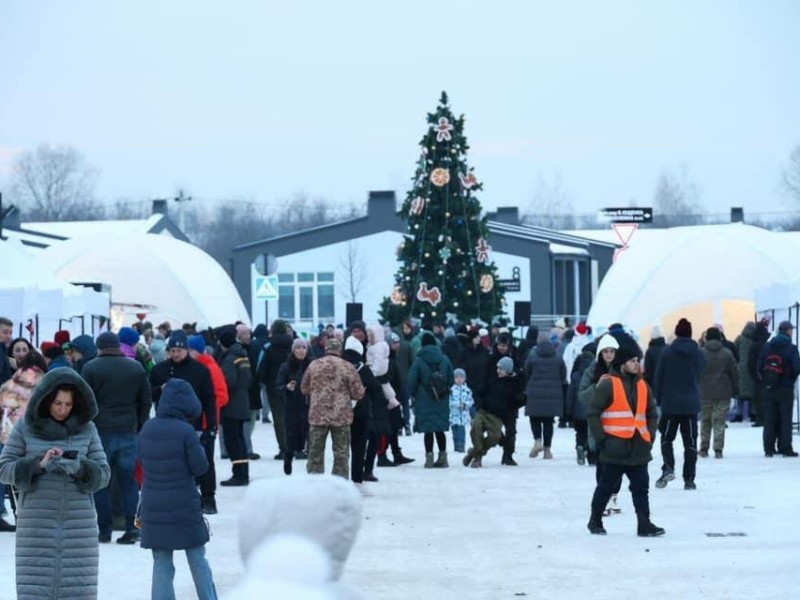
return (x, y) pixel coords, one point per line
(331, 383)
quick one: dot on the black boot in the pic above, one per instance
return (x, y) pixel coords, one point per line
(383, 461)
(645, 528)
(6, 526)
(288, 457)
(399, 459)
(596, 524)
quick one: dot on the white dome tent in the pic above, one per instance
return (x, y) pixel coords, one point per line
(708, 274)
(161, 276)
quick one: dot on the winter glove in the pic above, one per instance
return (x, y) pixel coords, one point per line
(68, 466)
(207, 437)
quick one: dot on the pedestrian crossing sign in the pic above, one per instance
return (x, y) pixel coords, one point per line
(267, 287)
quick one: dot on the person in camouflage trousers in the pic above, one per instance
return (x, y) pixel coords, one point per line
(719, 382)
(331, 383)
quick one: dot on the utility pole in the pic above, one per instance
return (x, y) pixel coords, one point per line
(181, 199)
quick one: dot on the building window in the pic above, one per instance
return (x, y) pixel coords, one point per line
(325, 306)
(285, 301)
(305, 277)
(285, 277)
(571, 287)
(306, 302)
(325, 277)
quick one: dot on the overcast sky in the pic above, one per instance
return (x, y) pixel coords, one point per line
(265, 99)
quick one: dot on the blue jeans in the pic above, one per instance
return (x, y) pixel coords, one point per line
(164, 572)
(120, 451)
(459, 437)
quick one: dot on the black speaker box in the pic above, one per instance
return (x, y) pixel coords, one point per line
(522, 314)
(354, 312)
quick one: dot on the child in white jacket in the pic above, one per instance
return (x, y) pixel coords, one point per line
(378, 362)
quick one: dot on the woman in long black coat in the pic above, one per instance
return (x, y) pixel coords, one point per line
(295, 402)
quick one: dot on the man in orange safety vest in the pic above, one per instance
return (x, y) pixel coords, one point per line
(623, 417)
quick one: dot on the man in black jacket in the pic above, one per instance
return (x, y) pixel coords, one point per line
(123, 405)
(181, 366)
(778, 367)
(503, 347)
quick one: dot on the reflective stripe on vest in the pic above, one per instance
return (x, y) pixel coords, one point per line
(618, 420)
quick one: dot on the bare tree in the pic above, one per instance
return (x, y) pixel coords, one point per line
(550, 205)
(54, 183)
(352, 270)
(790, 178)
(676, 199)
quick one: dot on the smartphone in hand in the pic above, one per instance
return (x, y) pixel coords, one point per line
(71, 454)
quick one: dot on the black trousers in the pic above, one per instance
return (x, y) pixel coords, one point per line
(359, 430)
(581, 428)
(510, 427)
(233, 430)
(599, 469)
(296, 422)
(612, 480)
(542, 426)
(778, 404)
(668, 427)
(208, 481)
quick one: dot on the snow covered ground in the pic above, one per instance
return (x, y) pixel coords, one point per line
(504, 532)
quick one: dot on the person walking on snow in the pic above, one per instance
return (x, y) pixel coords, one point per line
(622, 417)
(677, 386)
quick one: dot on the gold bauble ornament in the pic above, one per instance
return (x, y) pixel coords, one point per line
(440, 177)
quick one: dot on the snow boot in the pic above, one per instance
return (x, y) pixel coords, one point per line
(580, 453)
(429, 460)
(689, 484)
(537, 448)
(596, 524)
(547, 454)
(717, 453)
(288, 457)
(477, 463)
(468, 457)
(508, 461)
(383, 461)
(441, 461)
(665, 478)
(400, 459)
(645, 528)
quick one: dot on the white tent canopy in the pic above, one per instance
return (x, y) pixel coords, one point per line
(710, 272)
(174, 280)
(28, 289)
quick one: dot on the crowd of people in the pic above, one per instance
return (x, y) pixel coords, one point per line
(127, 425)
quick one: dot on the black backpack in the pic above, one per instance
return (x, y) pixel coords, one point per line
(437, 383)
(773, 369)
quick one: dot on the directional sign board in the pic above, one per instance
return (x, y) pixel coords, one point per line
(626, 215)
(267, 287)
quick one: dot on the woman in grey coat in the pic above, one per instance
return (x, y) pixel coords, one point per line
(545, 373)
(56, 462)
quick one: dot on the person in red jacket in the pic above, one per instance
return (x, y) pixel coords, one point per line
(197, 350)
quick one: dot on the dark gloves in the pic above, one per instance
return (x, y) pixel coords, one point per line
(208, 436)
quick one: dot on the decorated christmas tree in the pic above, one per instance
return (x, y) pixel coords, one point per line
(446, 270)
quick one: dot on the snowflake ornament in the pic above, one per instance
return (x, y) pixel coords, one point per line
(482, 250)
(443, 130)
(440, 177)
(445, 254)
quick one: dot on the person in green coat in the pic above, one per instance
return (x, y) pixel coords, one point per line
(431, 415)
(621, 452)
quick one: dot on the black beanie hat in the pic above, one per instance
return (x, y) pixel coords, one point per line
(624, 353)
(227, 337)
(683, 329)
(713, 333)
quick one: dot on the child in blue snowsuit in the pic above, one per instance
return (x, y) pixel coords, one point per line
(461, 403)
